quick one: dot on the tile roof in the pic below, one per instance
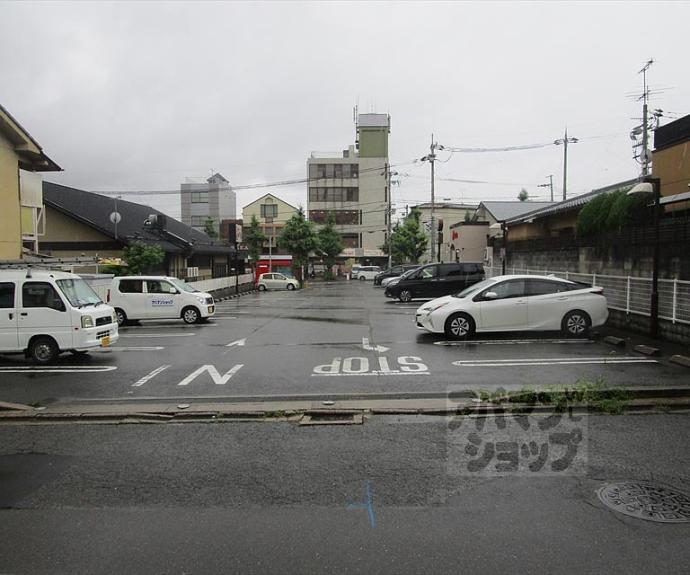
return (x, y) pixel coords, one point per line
(571, 203)
(94, 210)
(504, 211)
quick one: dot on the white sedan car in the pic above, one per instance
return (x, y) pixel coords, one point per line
(516, 303)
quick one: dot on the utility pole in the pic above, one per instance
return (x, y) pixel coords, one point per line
(431, 158)
(389, 212)
(549, 185)
(645, 132)
(565, 141)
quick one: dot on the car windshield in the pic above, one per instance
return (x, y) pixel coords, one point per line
(179, 284)
(474, 288)
(78, 292)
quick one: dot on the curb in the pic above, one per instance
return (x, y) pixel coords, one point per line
(640, 400)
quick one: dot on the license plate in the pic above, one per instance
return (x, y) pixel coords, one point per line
(105, 341)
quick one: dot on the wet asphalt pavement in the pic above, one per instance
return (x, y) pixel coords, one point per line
(383, 497)
(339, 338)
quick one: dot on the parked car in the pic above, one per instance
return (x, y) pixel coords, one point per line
(516, 303)
(158, 297)
(395, 279)
(276, 281)
(366, 273)
(395, 271)
(434, 280)
(44, 313)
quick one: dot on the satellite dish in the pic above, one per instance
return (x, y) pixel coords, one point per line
(115, 217)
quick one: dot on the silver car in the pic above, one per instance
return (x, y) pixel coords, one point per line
(276, 281)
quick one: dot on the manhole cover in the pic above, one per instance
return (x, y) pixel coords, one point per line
(649, 501)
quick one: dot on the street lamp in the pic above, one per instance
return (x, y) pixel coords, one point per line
(652, 185)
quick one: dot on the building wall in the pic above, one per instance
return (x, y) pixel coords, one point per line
(221, 204)
(274, 229)
(10, 212)
(672, 166)
(469, 246)
(450, 217)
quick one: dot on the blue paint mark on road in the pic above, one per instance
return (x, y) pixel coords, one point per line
(367, 504)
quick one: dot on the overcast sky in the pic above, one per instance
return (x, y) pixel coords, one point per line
(140, 96)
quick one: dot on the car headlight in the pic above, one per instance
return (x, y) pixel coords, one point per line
(434, 307)
(200, 299)
(86, 321)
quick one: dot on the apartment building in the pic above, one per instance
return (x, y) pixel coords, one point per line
(353, 187)
(214, 199)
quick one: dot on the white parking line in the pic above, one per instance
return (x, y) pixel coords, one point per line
(511, 341)
(151, 375)
(550, 361)
(157, 335)
(144, 348)
(58, 369)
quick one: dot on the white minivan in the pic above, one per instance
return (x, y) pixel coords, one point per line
(43, 313)
(158, 297)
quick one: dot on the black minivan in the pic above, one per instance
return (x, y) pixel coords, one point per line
(436, 280)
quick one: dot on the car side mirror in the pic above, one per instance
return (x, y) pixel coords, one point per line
(174, 290)
(490, 295)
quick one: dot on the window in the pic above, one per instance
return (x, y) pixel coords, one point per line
(544, 287)
(354, 170)
(337, 170)
(352, 194)
(199, 221)
(269, 210)
(346, 171)
(157, 286)
(321, 171)
(131, 286)
(509, 289)
(350, 240)
(41, 294)
(200, 197)
(6, 295)
(313, 171)
(452, 270)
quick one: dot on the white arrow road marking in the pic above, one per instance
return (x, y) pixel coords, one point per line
(218, 379)
(157, 335)
(58, 369)
(550, 361)
(378, 348)
(242, 341)
(151, 375)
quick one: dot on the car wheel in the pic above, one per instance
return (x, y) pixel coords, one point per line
(405, 295)
(459, 326)
(43, 350)
(362, 278)
(291, 287)
(576, 323)
(121, 317)
(262, 287)
(191, 315)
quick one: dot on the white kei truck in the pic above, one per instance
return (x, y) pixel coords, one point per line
(45, 313)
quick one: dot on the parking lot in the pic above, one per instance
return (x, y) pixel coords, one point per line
(328, 339)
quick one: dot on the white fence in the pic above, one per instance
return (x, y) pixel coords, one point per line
(627, 293)
(221, 283)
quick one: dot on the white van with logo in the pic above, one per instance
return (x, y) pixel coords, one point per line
(158, 297)
(44, 313)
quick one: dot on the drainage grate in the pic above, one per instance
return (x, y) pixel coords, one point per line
(331, 419)
(645, 500)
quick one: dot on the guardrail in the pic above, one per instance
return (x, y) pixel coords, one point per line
(631, 294)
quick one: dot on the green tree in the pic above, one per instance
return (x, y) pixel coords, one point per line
(254, 239)
(142, 258)
(468, 218)
(210, 228)
(330, 244)
(299, 239)
(408, 242)
(523, 196)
